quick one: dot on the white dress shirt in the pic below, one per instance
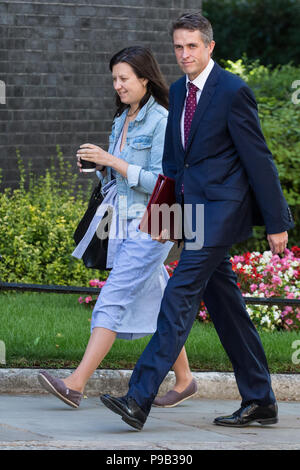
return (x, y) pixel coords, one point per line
(199, 82)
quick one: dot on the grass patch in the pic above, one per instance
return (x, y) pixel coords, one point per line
(52, 331)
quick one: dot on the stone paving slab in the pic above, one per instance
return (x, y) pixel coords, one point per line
(43, 422)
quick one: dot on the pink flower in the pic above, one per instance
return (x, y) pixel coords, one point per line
(80, 300)
(101, 283)
(290, 295)
(96, 283)
(253, 287)
(202, 314)
(88, 299)
(276, 280)
(262, 286)
(289, 321)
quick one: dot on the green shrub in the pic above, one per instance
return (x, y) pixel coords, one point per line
(280, 121)
(267, 30)
(37, 226)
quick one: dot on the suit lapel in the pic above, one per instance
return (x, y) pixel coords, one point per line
(205, 98)
(179, 96)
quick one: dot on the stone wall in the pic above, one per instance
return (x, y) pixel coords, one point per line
(54, 71)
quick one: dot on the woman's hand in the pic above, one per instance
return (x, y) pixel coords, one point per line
(98, 167)
(93, 153)
(96, 154)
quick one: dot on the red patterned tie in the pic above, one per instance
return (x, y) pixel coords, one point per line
(190, 108)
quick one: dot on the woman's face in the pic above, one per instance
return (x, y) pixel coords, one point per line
(129, 87)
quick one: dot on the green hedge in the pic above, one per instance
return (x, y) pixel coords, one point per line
(37, 223)
(37, 226)
(267, 30)
(280, 121)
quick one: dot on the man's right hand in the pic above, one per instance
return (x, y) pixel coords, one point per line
(278, 242)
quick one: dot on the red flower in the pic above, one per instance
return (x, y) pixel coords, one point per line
(296, 251)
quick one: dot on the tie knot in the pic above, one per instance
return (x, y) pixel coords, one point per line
(192, 88)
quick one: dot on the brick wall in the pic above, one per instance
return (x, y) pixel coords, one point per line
(54, 69)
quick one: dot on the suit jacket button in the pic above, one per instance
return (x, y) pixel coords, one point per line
(186, 165)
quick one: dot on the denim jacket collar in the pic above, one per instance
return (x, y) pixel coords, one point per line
(144, 109)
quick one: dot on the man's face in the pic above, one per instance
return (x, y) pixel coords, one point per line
(191, 53)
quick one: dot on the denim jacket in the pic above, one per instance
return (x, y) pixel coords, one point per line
(143, 151)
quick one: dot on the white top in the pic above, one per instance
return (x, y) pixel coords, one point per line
(199, 82)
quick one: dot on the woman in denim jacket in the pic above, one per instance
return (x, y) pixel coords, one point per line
(129, 302)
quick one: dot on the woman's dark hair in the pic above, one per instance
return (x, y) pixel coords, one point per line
(144, 65)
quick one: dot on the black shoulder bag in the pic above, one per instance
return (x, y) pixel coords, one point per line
(95, 255)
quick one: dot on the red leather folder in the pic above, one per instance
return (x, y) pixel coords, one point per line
(157, 216)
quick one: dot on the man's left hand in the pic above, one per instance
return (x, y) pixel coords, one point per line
(278, 242)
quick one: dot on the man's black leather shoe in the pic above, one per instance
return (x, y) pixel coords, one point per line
(126, 407)
(248, 414)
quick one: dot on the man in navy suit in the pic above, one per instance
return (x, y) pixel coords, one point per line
(215, 150)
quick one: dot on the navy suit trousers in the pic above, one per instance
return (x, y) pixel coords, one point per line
(207, 275)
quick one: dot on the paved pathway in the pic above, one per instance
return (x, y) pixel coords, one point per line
(43, 422)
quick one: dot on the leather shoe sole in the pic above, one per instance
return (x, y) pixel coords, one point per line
(112, 405)
(263, 422)
(264, 415)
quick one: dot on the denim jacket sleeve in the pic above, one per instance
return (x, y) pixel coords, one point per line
(144, 180)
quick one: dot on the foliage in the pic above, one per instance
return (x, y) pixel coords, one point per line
(266, 275)
(280, 120)
(267, 30)
(37, 225)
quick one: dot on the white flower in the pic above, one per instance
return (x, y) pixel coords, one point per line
(267, 255)
(265, 319)
(250, 311)
(247, 268)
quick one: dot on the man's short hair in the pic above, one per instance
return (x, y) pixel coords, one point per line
(194, 21)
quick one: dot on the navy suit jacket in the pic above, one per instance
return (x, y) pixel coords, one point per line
(227, 165)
